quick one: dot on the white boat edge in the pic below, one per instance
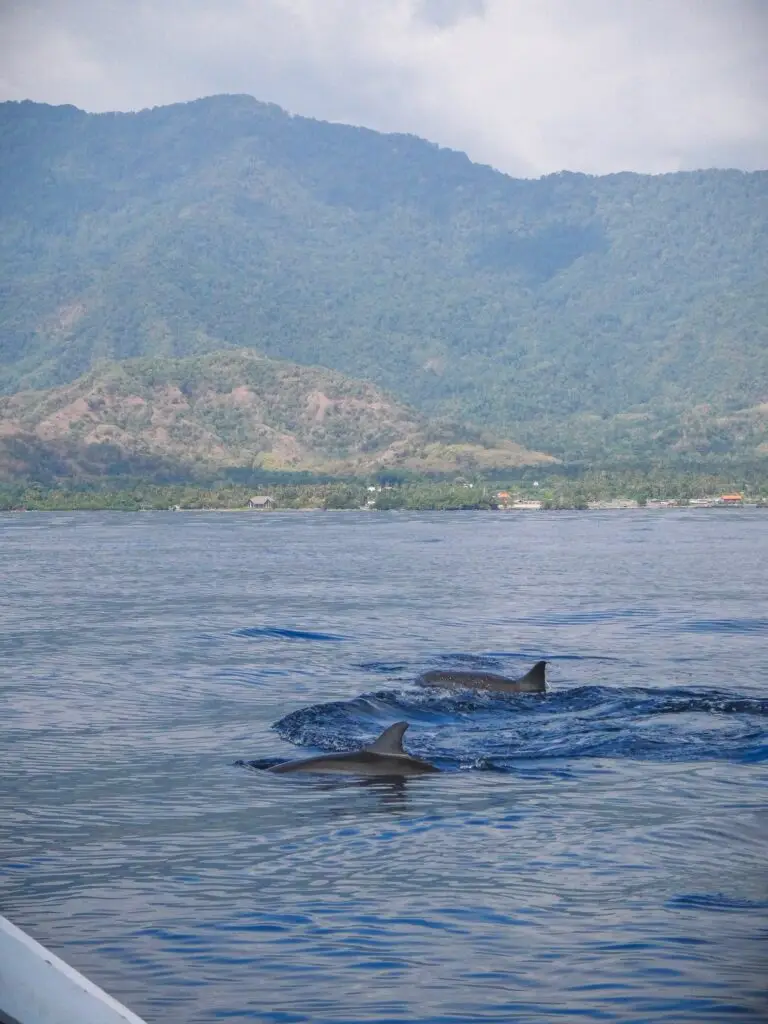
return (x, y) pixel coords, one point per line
(37, 987)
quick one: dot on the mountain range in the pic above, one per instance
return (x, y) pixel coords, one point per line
(593, 318)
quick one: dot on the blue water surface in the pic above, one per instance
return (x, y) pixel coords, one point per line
(594, 854)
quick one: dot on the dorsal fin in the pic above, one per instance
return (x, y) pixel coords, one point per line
(390, 741)
(536, 678)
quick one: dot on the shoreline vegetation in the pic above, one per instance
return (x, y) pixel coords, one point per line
(590, 490)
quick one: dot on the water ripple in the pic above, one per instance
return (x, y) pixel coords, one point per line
(285, 634)
(497, 730)
(595, 854)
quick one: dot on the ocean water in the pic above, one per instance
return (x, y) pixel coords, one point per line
(594, 854)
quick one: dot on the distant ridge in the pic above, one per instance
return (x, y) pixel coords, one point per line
(193, 418)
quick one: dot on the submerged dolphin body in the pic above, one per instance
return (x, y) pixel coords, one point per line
(385, 756)
(532, 682)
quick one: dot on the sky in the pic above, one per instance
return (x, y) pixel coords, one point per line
(528, 86)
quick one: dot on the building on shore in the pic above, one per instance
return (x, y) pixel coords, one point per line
(612, 503)
(530, 506)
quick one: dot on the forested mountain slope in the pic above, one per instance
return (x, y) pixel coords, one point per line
(196, 418)
(571, 312)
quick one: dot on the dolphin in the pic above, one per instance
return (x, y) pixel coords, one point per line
(531, 682)
(385, 756)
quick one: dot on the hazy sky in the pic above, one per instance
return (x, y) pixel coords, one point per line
(530, 86)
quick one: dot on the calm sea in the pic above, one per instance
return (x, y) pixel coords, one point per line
(596, 854)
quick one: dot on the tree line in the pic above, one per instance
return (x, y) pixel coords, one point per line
(394, 489)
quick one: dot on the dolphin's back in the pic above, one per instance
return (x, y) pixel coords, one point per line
(354, 760)
(385, 756)
(358, 762)
(532, 682)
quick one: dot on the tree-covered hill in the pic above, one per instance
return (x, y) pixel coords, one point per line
(195, 418)
(570, 312)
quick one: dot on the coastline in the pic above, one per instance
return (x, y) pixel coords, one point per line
(592, 507)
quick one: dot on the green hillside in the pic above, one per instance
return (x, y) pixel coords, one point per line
(194, 418)
(581, 315)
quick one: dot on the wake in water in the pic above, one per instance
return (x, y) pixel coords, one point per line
(499, 731)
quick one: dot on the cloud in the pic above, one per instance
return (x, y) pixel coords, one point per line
(530, 86)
